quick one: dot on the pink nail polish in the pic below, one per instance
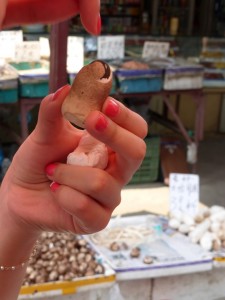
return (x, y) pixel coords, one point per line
(101, 124)
(112, 109)
(50, 169)
(59, 91)
(99, 25)
(54, 186)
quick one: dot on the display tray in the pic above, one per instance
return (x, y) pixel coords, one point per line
(68, 287)
(8, 96)
(8, 84)
(171, 252)
(139, 81)
(214, 78)
(64, 264)
(183, 77)
(33, 79)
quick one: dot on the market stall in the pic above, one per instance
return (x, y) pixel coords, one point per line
(181, 268)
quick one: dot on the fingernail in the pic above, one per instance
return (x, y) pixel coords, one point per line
(59, 91)
(99, 25)
(101, 123)
(112, 108)
(54, 186)
(50, 169)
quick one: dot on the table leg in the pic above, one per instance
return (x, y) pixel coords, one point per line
(177, 119)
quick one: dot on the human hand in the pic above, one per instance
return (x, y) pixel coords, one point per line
(82, 198)
(48, 11)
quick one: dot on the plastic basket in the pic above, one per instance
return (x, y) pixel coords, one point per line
(148, 171)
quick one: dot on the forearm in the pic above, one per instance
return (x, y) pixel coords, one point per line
(16, 246)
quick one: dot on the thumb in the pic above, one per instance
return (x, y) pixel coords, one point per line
(50, 119)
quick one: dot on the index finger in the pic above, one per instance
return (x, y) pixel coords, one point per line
(125, 117)
(90, 15)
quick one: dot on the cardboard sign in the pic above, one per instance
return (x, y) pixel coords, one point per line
(28, 51)
(8, 41)
(155, 49)
(111, 47)
(75, 54)
(184, 193)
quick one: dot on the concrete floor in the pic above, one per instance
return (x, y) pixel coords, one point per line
(211, 169)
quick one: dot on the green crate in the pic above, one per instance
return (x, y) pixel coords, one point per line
(148, 171)
(9, 96)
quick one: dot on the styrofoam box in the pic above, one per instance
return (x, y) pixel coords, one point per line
(186, 77)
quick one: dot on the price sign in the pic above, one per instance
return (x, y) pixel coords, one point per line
(155, 49)
(111, 47)
(8, 41)
(184, 193)
(75, 54)
(28, 52)
(45, 47)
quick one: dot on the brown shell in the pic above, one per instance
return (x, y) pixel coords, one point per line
(89, 90)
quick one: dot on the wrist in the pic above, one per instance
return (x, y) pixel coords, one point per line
(16, 240)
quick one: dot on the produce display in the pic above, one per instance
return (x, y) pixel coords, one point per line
(62, 257)
(206, 228)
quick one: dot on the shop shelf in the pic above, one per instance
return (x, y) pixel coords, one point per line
(148, 171)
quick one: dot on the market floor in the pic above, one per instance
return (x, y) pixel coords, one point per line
(211, 169)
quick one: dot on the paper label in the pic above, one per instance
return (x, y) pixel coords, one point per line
(75, 54)
(28, 51)
(111, 47)
(155, 49)
(184, 193)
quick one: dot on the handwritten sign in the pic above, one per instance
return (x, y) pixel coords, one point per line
(75, 53)
(184, 193)
(111, 47)
(28, 52)
(155, 49)
(8, 41)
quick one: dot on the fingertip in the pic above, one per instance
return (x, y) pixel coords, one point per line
(90, 16)
(54, 186)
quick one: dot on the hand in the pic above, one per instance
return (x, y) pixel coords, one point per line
(49, 11)
(83, 198)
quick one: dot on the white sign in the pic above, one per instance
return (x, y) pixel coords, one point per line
(184, 193)
(28, 52)
(155, 49)
(111, 47)
(8, 41)
(75, 54)
(45, 47)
